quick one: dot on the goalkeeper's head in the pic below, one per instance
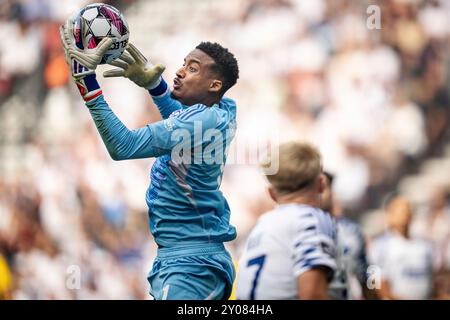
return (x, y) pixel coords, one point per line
(207, 73)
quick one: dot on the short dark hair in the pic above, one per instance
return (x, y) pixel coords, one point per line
(225, 65)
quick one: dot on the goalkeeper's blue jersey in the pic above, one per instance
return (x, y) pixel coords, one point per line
(190, 146)
(184, 200)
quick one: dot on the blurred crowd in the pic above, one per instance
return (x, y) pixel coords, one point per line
(374, 101)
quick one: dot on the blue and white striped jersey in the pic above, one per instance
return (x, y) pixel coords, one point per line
(351, 259)
(285, 243)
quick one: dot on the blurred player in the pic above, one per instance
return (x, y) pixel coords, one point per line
(290, 253)
(188, 215)
(405, 263)
(351, 251)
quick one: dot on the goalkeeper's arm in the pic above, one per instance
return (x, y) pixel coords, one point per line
(134, 66)
(122, 143)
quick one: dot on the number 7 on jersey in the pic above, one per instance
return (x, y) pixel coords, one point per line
(259, 261)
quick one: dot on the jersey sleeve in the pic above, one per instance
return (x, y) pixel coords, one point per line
(361, 264)
(312, 247)
(154, 139)
(163, 100)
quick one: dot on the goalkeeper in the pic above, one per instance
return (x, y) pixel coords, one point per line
(188, 215)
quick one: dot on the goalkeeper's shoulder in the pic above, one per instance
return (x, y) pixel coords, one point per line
(228, 101)
(215, 116)
(228, 105)
(196, 117)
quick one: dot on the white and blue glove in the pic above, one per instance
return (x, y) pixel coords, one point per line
(83, 62)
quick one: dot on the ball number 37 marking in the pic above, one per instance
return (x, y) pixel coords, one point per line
(259, 261)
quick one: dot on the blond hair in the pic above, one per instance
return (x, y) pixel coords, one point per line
(299, 166)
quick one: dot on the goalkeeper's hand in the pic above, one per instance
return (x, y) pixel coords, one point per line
(83, 62)
(133, 65)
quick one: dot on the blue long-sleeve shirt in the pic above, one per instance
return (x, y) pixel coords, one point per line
(190, 146)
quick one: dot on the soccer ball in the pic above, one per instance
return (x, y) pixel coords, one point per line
(96, 21)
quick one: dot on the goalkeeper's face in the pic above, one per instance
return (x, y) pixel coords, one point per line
(196, 81)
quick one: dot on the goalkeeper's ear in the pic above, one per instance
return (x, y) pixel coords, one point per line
(215, 86)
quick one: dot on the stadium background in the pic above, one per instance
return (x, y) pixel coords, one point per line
(376, 103)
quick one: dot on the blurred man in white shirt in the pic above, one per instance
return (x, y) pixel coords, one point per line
(406, 264)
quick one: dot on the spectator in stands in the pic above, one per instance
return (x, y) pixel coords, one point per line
(406, 263)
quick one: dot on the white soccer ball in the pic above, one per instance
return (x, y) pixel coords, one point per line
(99, 20)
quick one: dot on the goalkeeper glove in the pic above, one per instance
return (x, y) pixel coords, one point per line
(83, 62)
(133, 65)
